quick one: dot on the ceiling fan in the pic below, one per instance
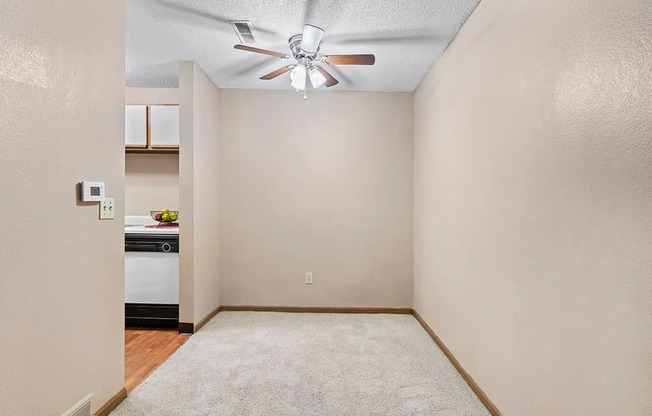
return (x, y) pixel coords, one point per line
(307, 64)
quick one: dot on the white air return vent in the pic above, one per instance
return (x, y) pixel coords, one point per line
(243, 30)
(82, 408)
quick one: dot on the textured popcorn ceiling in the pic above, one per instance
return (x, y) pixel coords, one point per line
(407, 37)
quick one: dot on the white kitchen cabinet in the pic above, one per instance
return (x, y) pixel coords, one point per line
(152, 128)
(164, 126)
(136, 126)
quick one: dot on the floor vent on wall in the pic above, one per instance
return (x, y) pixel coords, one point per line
(82, 408)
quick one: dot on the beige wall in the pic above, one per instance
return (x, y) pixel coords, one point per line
(533, 226)
(151, 181)
(323, 185)
(199, 170)
(61, 269)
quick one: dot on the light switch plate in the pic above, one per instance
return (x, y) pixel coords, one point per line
(107, 209)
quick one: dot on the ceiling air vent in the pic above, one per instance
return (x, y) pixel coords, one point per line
(243, 30)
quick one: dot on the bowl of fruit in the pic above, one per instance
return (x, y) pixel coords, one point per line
(164, 216)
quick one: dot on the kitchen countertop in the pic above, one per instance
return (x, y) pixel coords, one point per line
(141, 229)
(136, 225)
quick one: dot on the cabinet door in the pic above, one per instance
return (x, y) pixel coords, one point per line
(136, 126)
(164, 125)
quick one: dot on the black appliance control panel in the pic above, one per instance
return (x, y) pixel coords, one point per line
(152, 243)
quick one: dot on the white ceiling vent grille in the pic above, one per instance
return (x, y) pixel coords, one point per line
(243, 30)
(82, 408)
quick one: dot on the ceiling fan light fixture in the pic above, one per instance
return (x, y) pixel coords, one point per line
(317, 79)
(298, 77)
(311, 38)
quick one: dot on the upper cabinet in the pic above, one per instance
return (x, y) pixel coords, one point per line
(136, 126)
(164, 126)
(152, 128)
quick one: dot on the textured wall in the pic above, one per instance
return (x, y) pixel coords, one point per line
(199, 171)
(533, 224)
(323, 185)
(186, 191)
(206, 202)
(61, 269)
(151, 182)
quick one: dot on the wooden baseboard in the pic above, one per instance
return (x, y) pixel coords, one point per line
(186, 328)
(315, 309)
(465, 375)
(207, 318)
(112, 403)
(191, 328)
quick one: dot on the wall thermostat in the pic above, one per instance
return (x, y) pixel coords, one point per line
(92, 191)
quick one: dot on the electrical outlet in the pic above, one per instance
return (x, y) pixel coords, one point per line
(309, 278)
(107, 209)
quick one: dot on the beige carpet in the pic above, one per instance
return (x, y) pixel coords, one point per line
(258, 363)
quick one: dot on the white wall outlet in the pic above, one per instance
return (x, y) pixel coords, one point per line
(107, 209)
(309, 278)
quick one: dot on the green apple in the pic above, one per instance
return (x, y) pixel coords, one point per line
(166, 217)
(174, 216)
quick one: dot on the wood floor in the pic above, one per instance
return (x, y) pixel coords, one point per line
(145, 350)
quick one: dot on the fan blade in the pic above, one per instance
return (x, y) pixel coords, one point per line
(278, 72)
(330, 81)
(350, 59)
(263, 51)
(311, 38)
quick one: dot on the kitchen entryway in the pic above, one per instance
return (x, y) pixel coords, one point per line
(151, 231)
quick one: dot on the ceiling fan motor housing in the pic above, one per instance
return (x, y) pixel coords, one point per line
(297, 52)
